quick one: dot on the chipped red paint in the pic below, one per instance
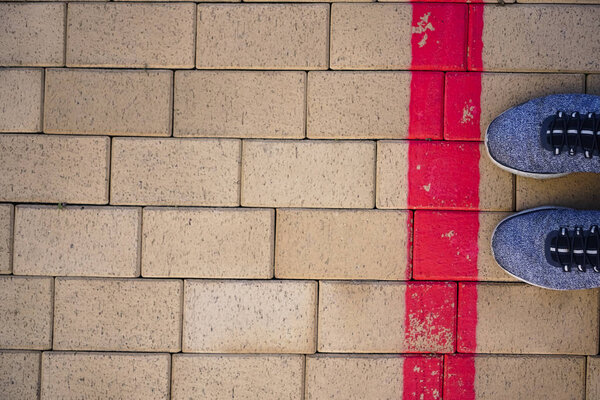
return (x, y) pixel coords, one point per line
(430, 323)
(426, 101)
(445, 245)
(459, 371)
(424, 380)
(409, 244)
(443, 175)
(462, 106)
(467, 318)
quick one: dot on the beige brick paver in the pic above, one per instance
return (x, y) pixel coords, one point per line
(250, 316)
(353, 377)
(529, 377)
(537, 42)
(71, 376)
(593, 84)
(355, 105)
(19, 374)
(575, 190)
(200, 172)
(77, 241)
(32, 34)
(208, 243)
(117, 314)
(244, 104)
(342, 244)
(21, 100)
(221, 377)
(262, 36)
(308, 174)
(53, 169)
(26, 312)
(593, 378)
(6, 238)
(521, 319)
(108, 102)
(131, 35)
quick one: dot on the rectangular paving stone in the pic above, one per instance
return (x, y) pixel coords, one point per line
(104, 34)
(443, 175)
(6, 237)
(117, 314)
(185, 172)
(21, 99)
(26, 312)
(383, 317)
(369, 105)
(77, 241)
(208, 243)
(514, 318)
(593, 84)
(515, 377)
(32, 34)
(108, 102)
(250, 316)
(72, 376)
(313, 173)
(244, 104)
(54, 169)
(473, 99)
(398, 36)
(455, 245)
(575, 190)
(221, 377)
(19, 374)
(262, 36)
(342, 244)
(358, 377)
(527, 49)
(593, 378)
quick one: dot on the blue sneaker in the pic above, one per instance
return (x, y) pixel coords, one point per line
(547, 137)
(551, 247)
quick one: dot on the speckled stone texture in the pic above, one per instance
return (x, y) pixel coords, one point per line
(21, 100)
(131, 35)
(54, 169)
(593, 84)
(221, 377)
(352, 377)
(278, 316)
(522, 319)
(312, 173)
(341, 244)
(72, 376)
(117, 314)
(244, 104)
(537, 42)
(32, 34)
(108, 102)
(593, 378)
(208, 243)
(6, 237)
(26, 312)
(529, 377)
(77, 241)
(186, 172)
(358, 105)
(576, 190)
(259, 36)
(19, 374)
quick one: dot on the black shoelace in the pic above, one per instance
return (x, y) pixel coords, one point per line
(574, 133)
(574, 249)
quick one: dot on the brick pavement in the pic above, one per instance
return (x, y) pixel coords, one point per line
(280, 201)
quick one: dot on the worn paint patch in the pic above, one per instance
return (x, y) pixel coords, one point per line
(459, 371)
(467, 318)
(446, 245)
(462, 105)
(422, 378)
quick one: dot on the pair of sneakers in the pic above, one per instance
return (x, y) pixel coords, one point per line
(548, 137)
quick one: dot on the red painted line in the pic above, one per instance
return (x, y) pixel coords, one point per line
(445, 245)
(475, 52)
(430, 319)
(467, 318)
(409, 244)
(462, 106)
(426, 103)
(459, 371)
(443, 175)
(425, 379)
